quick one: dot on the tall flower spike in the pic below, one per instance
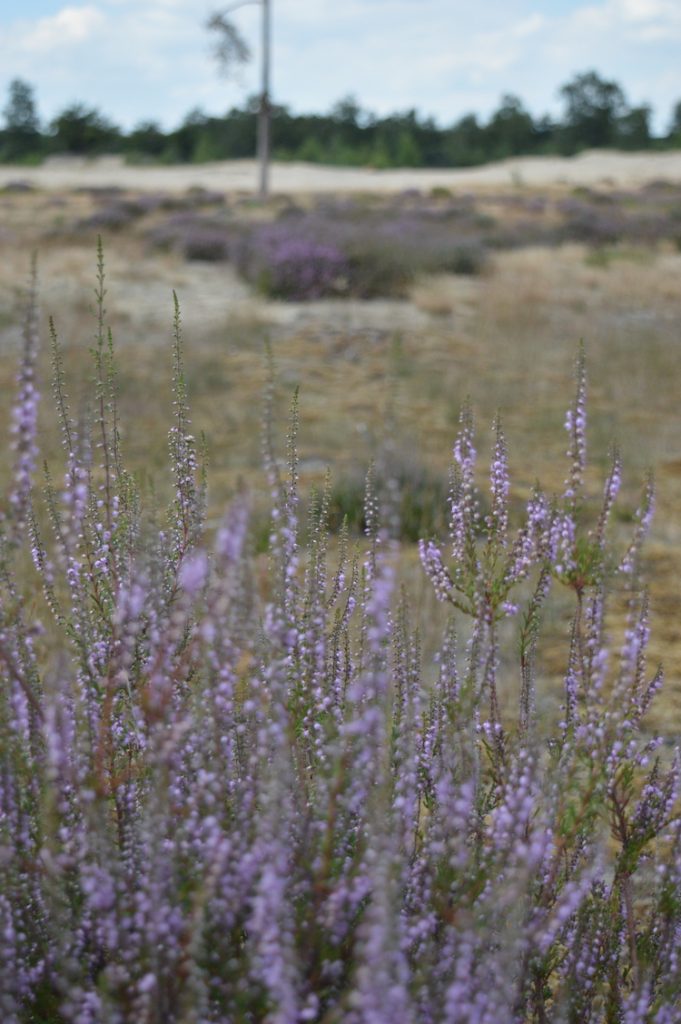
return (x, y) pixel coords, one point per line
(644, 518)
(610, 492)
(182, 447)
(25, 410)
(59, 389)
(431, 560)
(463, 510)
(499, 486)
(575, 424)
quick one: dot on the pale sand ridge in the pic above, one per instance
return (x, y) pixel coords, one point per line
(590, 168)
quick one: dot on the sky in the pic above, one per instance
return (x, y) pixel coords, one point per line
(140, 60)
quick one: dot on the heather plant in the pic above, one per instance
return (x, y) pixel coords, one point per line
(223, 800)
(210, 244)
(348, 251)
(285, 262)
(113, 216)
(195, 236)
(586, 222)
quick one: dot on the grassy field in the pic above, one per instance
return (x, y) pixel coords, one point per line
(381, 375)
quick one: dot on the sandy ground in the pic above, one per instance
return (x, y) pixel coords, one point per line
(591, 168)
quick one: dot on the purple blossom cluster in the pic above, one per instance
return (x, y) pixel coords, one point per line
(227, 804)
(24, 424)
(340, 250)
(287, 263)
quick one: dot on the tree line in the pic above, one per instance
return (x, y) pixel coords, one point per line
(595, 114)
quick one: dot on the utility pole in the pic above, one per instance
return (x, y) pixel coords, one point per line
(230, 50)
(265, 114)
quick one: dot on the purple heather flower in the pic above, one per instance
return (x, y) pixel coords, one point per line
(463, 509)
(431, 560)
(499, 486)
(24, 416)
(644, 518)
(193, 572)
(575, 424)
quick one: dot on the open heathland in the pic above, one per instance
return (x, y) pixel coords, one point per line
(330, 641)
(537, 272)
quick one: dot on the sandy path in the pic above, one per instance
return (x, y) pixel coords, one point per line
(622, 169)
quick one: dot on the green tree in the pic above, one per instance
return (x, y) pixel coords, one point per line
(407, 151)
(593, 108)
(311, 151)
(466, 143)
(511, 129)
(347, 111)
(675, 123)
(146, 140)
(84, 131)
(633, 128)
(21, 137)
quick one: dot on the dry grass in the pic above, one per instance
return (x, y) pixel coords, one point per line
(373, 369)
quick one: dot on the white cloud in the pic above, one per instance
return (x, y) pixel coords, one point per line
(661, 17)
(68, 26)
(646, 10)
(528, 26)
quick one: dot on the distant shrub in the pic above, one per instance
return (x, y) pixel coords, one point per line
(469, 257)
(112, 216)
(149, 202)
(102, 192)
(193, 198)
(342, 249)
(169, 232)
(290, 211)
(196, 196)
(205, 243)
(434, 245)
(584, 222)
(195, 236)
(116, 210)
(377, 269)
(284, 264)
(599, 223)
(524, 232)
(18, 187)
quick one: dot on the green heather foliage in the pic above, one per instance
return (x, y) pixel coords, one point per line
(228, 803)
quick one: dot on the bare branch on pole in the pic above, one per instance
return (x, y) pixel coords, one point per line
(231, 50)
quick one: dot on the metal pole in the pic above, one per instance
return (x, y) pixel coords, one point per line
(264, 113)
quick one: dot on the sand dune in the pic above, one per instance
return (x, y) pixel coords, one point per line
(590, 168)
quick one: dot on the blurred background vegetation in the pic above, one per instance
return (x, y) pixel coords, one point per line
(595, 114)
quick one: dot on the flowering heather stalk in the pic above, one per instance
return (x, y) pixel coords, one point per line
(575, 424)
(25, 413)
(222, 808)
